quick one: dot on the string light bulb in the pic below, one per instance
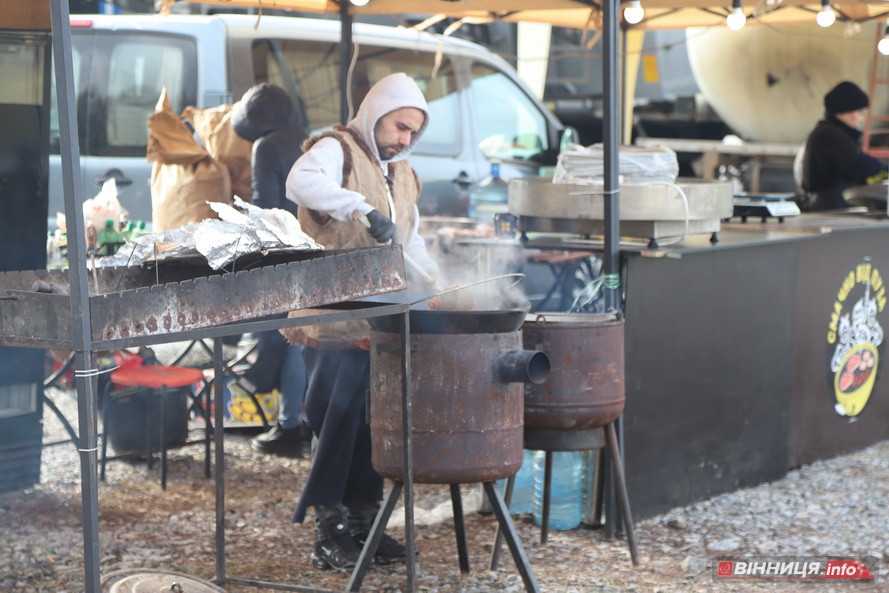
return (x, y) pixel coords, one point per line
(883, 45)
(359, 2)
(634, 13)
(736, 18)
(826, 16)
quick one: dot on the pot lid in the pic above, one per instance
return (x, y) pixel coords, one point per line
(160, 582)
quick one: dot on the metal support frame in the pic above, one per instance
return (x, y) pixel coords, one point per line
(460, 528)
(505, 526)
(81, 332)
(84, 345)
(611, 141)
(512, 538)
(603, 438)
(498, 538)
(547, 495)
(345, 59)
(82, 335)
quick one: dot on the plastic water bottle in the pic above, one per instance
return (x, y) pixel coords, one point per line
(522, 492)
(490, 197)
(566, 495)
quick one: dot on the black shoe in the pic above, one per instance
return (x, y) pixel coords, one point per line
(389, 551)
(278, 439)
(334, 547)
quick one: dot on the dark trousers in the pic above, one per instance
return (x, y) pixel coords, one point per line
(336, 407)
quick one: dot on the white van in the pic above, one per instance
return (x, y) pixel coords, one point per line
(121, 63)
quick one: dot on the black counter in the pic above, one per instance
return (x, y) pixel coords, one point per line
(730, 348)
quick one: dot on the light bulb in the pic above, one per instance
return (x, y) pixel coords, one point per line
(736, 19)
(826, 16)
(883, 45)
(359, 2)
(634, 13)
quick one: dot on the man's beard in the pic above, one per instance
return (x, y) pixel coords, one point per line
(391, 151)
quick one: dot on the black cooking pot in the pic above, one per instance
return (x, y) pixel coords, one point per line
(455, 322)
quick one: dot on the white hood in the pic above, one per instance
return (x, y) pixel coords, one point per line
(390, 93)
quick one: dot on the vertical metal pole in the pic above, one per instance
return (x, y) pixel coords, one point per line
(547, 495)
(624, 499)
(613, 108)
(460, 528)
(611, 140)
(406, 424)
(345, 59)
(626, 137)
(512, 538)
(219, 462)
(498, 537)
(79, 299)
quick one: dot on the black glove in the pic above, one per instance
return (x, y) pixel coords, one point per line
(381, 228)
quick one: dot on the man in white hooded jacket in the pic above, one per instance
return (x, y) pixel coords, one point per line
(354, 189)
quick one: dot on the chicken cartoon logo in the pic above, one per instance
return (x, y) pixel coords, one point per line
(856, 335)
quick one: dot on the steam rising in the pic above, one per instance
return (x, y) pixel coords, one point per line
(471, 260)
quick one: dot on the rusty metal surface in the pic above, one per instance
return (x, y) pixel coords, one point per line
(585, 388)
(31, 318)
(467, 427)
(217, 300)
(34, 319)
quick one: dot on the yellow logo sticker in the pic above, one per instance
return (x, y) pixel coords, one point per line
(855, 331)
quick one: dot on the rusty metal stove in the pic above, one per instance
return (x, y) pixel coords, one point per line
(467, 372)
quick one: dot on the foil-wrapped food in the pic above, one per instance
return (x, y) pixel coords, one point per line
(241, 229)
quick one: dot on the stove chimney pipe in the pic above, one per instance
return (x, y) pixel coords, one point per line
(523, 366)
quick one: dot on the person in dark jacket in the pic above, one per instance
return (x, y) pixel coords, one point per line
(265, 116)
(833, 159)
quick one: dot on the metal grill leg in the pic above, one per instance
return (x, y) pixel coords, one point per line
(547, 493)
(608, 500)
(498, 539)
(512, 539)
(600, 487)
(373, 539)
(408, 461)
(149, 447)
(622, 490)
(207, 429)
(104, 459)
(163, 443)
(219, 436)
(460, 528)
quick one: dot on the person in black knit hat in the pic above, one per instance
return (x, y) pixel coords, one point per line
(833, 159)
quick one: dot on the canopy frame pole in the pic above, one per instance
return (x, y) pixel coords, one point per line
(345, 59)
(81, 328)
(611, 140)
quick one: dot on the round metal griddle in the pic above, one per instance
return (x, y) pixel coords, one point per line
(455, 322)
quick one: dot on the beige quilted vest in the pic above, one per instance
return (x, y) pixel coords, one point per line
(361, 174)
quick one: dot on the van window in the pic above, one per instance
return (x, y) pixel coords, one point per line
(508, 123)
(309, 70)
(138, 68)
(119, 88)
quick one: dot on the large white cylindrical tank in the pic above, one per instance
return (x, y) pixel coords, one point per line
(768, 82)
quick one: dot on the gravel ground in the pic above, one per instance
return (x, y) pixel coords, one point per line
(837, 507)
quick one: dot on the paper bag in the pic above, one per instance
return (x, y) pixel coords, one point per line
(184, 177)
(214, 127)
